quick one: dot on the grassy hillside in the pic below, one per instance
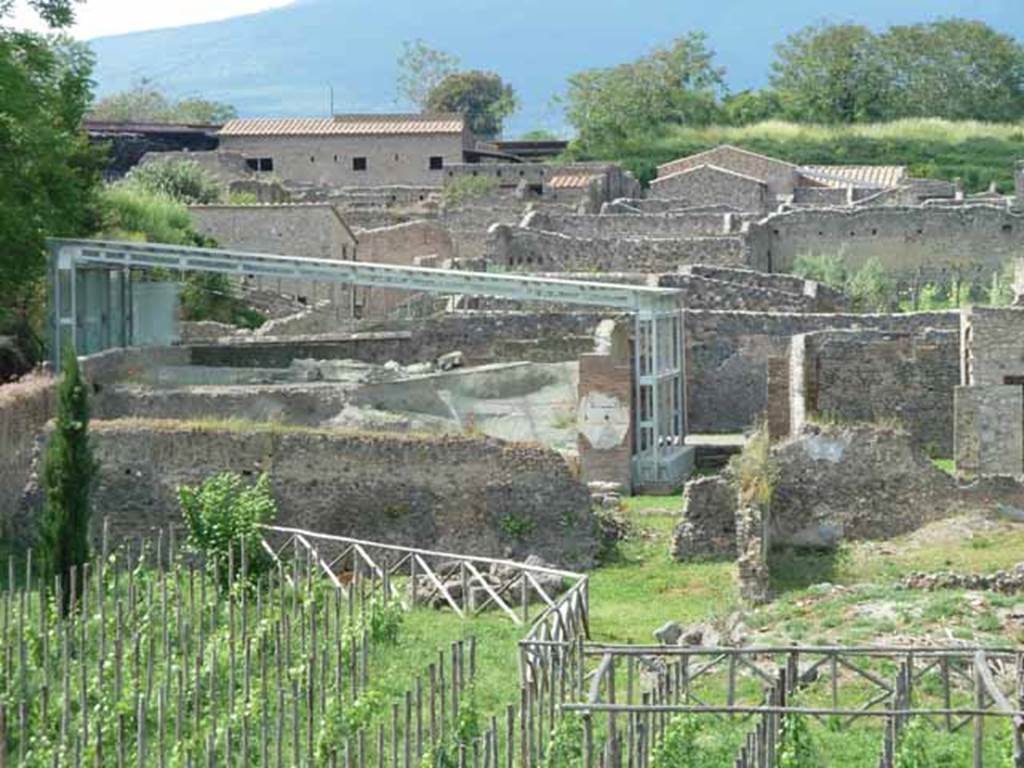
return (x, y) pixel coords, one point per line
(979, 153)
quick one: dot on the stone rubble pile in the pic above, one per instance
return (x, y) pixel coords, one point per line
(499, 578)
(1006, 581)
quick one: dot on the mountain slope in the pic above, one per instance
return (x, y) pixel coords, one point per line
(281, 61)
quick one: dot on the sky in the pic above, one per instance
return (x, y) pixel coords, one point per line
(97, 18)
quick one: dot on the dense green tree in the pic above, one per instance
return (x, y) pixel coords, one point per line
(957, 69)
(677, 85)
(482, 97)
(145, 102)
(50, 175)
(69, 477)
(420, 69)
(831, 74)
(748, 107)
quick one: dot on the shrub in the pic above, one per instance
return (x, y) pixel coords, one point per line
(871, 289)
(183, 180)
(797, 749)
(565, 748)
(829, 269)
(69, 477)
(224, 514)
(678, 748)
(132, 213)
(465, 188)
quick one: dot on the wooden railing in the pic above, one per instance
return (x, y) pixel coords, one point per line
(635, 691)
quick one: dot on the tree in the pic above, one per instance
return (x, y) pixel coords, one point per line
(420, 69)
(675, 85)
(957, 69)
(69, 476)
(748, 107)
(482, 97)
(146, 103)
(831, 74)
(50, 175)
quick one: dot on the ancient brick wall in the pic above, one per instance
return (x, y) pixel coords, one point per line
(604, 414)
(923, 243)
(869, 376)
(727, 356)
(518, 248)
(457, 494)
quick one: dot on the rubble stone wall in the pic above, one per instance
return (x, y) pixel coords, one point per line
(632, 225)
(518, 248)
(868, 376)
(929, 243)
(727, 356)
(457, 494)
(707, 185)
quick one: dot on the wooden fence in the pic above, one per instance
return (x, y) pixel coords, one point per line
(636, 691)
(552, 604)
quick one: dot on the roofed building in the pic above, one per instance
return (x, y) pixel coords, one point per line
(351, 150)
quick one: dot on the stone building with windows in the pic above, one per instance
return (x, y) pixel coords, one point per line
(351, 150)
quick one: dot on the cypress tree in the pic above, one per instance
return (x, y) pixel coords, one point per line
(69, 476)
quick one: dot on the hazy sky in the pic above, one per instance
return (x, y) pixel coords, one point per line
(111, 17)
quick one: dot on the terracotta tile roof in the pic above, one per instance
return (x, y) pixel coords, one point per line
(570, 179)
(875, 176)
(345, 125)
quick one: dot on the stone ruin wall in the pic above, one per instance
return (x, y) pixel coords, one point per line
(534, 251)
(482, 337)
(727, 356)
(715, 186)
(632, 225)
(28, 404)
(924, 243)
(457, 494)
(409, 244)
(853, 376)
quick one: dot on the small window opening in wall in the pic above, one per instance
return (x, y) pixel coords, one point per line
(874, 231)
(253, 163)
(522, 173)
(421, 198)
(436, 163)
(335, 158)
(853, 234)
(821, 234)
(499, 174)
(920, 231)
(1007, 227)
(397, 158)
(312, 159)
(775, 232)
(475, 173)
(358, 163)
(266, 164)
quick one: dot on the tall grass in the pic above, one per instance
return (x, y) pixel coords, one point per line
(977, 152)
